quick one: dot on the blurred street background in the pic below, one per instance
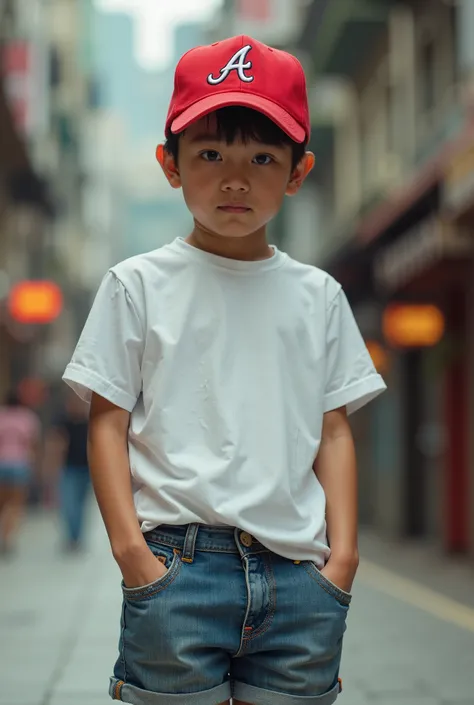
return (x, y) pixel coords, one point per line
(388, 211)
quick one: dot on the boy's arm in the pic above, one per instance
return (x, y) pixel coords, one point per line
(336, 470)
(110, 473)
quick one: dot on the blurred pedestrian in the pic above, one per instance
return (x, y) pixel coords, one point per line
(19, 446)
(66, 456)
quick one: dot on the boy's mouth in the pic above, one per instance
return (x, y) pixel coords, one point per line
(234, 208)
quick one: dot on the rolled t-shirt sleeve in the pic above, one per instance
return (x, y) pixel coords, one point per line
(107, 359)
(351, 378)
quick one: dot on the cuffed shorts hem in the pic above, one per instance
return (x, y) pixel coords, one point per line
(136, 696)
(258, 696)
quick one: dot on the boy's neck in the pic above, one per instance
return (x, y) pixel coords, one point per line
(251, 248)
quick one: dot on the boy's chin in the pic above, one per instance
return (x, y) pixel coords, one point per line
(231, 233)
(232, 229)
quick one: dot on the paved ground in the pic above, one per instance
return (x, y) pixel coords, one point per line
(410, 639)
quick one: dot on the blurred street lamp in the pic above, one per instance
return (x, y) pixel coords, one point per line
(413, 325)
(378, 354)
(35, 302)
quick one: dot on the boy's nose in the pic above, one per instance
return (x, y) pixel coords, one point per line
(235, 184)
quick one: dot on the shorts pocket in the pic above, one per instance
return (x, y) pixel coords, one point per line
(344, 598)
(169, 557)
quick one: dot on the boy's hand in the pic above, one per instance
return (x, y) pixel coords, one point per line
(341, 573)
(142, 570)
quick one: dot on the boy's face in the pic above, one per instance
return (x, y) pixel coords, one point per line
(232, 190)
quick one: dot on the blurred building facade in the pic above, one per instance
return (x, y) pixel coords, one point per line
(80, 188)
(26, 212)
(73, 102)
(393, 126)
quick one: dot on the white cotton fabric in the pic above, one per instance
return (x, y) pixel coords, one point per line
(227, 368)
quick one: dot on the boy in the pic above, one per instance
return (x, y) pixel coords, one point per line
(218, 369)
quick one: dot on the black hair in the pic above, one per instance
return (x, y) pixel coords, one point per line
(247, 124)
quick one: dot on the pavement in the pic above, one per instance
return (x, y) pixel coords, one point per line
(410, 637)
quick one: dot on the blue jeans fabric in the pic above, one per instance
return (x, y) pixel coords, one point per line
(229, 619)
(14, 474)
(73, 492)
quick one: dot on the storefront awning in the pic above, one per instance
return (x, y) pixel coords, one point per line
(432, 173)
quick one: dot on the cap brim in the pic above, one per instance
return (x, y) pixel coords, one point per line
(224, 100)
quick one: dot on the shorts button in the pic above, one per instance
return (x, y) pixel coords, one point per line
(246, 539)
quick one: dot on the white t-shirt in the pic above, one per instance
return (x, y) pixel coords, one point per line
(227, 368)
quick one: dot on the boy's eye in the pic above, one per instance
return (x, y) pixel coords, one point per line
(262, 159)
(210, 155)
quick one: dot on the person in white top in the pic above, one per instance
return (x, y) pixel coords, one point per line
(220, 374)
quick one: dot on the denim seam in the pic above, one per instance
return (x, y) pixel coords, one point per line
(190, 539)
(123, 642)
(135, 694)
(250, 690)
(246, 640)
(173, 543)
(266, 624)
(206, 548)
(201, 545)
(243, 642)
(339, 596)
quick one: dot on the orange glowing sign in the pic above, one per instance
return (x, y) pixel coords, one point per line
(378, 354)
(35, 302)
(413, 325)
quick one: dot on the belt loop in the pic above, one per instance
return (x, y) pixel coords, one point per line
(190, 543)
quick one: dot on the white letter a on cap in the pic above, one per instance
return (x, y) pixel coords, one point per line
(236, 63)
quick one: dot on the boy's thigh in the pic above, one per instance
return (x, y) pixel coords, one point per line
(178, 632)
(183, 633)
(297, 651)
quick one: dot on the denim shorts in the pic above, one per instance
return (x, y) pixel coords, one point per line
(14, 475)
(229, 619)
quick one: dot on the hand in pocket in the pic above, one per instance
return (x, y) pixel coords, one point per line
(340, 575)
(143, 570)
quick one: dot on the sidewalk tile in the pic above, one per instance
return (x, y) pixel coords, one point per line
(60, 621)
(401, 700)
(81, 700)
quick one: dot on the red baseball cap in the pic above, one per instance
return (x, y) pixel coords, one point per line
(240, 71)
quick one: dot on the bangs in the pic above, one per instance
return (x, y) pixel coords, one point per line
(240, 123)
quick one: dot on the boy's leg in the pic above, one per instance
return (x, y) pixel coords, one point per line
(83, 485)
(292, 644)
(178, 633)
(14, 500)
(70, 510)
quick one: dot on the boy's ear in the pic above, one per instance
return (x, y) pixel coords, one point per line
(169, 166)
(299, 174)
